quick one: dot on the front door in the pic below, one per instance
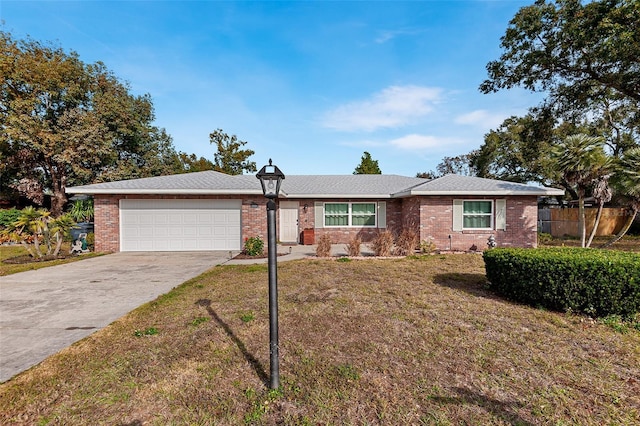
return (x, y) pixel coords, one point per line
(288, 221)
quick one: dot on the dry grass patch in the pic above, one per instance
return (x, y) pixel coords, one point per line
(412, 341)
(14, 259)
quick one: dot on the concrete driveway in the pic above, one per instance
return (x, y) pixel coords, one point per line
(44, 311)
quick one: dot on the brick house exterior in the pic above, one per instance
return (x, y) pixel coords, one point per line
(435, 209)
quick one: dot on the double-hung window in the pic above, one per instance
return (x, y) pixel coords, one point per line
(477, 214)
(350, 214)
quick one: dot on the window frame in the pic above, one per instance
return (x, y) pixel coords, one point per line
(491, 215)
(350, 214)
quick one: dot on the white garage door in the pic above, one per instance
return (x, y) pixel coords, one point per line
(179, 225)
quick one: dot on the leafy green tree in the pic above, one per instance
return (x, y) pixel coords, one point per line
(459, 165)
(584, 56)
(229, 158)
(64, 122)
(581, 161)
(572, 49)
(427, 175)
(192, 163)
(517, 150)
(367, 166)
(627, 182)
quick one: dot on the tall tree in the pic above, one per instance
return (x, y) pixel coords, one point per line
(229, 158)
(367, 166)
(581, 160)
(192, 163)
(459, 165)
(585, 57)
(517, 150)
(64, 122)
(575, 51)
(627, 182)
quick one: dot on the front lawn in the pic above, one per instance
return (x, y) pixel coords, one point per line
(412, 341)
(627, 243)
(14, 259)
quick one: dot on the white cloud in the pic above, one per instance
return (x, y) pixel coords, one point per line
(393, 107)
(415, 142)
(482, 118)
(387, 35)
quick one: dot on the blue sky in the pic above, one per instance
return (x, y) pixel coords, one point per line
(310, 84)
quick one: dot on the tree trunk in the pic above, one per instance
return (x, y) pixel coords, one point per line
(59, 240)
(623, 231)
(28, 247)
(36, 245)
(595, 224)
(59, 198)
(581, 222)
(58, 201)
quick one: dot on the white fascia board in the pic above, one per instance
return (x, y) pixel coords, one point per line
(130, 191)
(363, 196)
(550, 191)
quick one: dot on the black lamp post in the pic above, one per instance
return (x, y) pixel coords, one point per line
(270, 178)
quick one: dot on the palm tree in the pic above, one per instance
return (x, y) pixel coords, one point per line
(627, 182)
(35, 227)
(602, 193)
(581, 160)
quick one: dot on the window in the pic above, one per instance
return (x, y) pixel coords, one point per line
(336, 214)
(350, 214)
(477, 215)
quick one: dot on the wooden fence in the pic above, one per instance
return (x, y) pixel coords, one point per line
(562, 222)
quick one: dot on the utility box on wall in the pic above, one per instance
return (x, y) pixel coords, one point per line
(308, 237)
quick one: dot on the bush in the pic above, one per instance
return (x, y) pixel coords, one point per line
(353, 247)
(407, 242)
(382, 244)
(253, 246)
(324, 246)
(8, 217)
(82, 210)
(594, 282)
(427, 246)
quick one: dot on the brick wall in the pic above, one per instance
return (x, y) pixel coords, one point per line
(431, 216)
(344, 235)
(436, 222)
(107, 216)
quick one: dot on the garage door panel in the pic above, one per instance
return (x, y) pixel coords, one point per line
(180, 225)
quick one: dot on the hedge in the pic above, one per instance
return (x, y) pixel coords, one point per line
(594, 282)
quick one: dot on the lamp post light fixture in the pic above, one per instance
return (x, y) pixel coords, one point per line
(270, 178)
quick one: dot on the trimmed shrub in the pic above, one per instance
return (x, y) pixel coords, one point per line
(324, 246)
(594, 282)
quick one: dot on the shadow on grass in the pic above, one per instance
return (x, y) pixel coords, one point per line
(505, 410)
(252, 360)
(474, 284)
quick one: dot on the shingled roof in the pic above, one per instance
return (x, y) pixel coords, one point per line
(469, 185)
(314, 186)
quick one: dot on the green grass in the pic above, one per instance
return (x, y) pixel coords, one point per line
(17, 251)
(412, 341)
